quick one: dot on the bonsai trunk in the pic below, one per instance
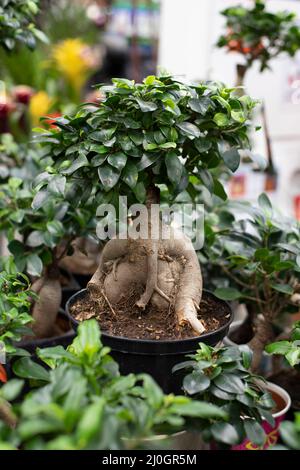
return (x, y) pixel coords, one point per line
(46, 307)
(240, 77)
(263, 334)
(164, 263)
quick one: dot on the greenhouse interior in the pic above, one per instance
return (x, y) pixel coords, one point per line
(149, 228)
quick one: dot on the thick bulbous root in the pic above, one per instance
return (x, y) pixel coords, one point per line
(263, 334)
(168, 269)
(45, 308)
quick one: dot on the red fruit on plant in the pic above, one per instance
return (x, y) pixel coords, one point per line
(3, 376)
(22, 94)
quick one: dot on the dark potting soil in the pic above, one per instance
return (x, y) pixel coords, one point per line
(126, 320)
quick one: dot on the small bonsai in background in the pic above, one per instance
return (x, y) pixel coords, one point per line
(140, 137)
(259, 35)
(103, 411)
(259, 253)
(39, 237)
(15, 302)
(222, 376)
(16, 24)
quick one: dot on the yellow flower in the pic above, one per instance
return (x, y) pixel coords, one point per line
(74, 60)
(40, 104)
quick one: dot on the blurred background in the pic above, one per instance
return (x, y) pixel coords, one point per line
(91, 41)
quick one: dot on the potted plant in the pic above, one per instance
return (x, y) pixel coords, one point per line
(75, 418)
(15, 302)
(286, 374)
(39, 238)
(222, 376)
(257, 250)
(17, 24)
(259, 35)
(139, 139)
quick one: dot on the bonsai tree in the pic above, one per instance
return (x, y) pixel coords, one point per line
(259, 254)
(222, 376)
(133, 407)
(259, 35)
(40, 237)
(16, 24)
(139, 139)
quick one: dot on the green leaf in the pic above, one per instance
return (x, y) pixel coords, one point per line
(12, 389)
(146, 161)
(98, 160)
(34, 265)
(146, 106)
(57, 185)
(36, 238)
(130, 174)
(55, 228)
(202, 145)
(227, 293)
(174, 167)
(168, 145)
(189, 129)
(254, 432)
(200, 105)
(225, 433)
(118, 160)
(230, 383)
(265, 203)
(283, 288)
(108, 176)
(87, 342)
(39, 199)
(219, 190)
(221, 119)
(80, 162)
(195, 382)
(198, 409)
(290, 435)
(232, 159)
(27, 369)
(90, 422)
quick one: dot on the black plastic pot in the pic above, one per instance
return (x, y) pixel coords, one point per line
(63, 340)
(156, 358)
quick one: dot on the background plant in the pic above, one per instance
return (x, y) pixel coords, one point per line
(222, 376)
(15, 302)
(16, 23)
(260, 35)
(258, 251)
(104, 410)
(40, 233)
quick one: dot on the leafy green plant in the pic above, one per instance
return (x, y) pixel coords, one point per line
(102, 411)
(259, 252)
(142, 137)
(289, 349)
(290, 433)
(222, 376)
(17, 160)
(15, 303)
(259, 35)
(45, 236)
(16, 23)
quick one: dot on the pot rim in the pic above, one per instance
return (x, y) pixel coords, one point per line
(185, 341)
(271, 387)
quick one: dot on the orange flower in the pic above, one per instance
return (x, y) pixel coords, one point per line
(3, 376)
(52, 118)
